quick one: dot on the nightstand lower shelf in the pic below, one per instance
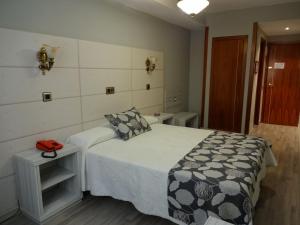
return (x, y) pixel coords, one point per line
(56, 199)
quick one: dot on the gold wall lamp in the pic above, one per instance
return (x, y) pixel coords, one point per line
(150, 64)
(46, 57)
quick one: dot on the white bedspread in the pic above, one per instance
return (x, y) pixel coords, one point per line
(137, 170)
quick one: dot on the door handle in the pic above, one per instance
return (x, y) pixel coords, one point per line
(270, 84)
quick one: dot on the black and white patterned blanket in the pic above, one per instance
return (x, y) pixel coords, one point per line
(217, 178)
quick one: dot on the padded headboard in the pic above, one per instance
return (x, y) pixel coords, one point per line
(78, 82)
(103, 65)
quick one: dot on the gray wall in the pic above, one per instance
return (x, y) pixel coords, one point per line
(240, 22)
(196, 71)
(97, 20)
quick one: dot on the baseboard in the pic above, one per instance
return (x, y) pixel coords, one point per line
(8, 214)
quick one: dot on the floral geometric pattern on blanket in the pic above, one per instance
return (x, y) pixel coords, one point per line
(217, 178)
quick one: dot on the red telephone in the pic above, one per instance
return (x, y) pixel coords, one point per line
(48, 146)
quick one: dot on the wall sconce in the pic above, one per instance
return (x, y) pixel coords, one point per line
(46, 57)
(150, 64)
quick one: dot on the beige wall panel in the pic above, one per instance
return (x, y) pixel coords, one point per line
(140, 78)
(147, 98)
(100, 55)
(28, 84)
(151, 110)
(18, 48)
(96, 106)
(95, 81)
(24, 119)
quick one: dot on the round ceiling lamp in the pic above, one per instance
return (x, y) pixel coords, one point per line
(192, 7)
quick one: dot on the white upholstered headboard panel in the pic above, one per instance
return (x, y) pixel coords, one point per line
(103, 65)
(78, 81)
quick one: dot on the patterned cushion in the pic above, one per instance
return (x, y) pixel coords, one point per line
(128, 124)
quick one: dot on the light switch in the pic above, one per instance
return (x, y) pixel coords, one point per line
(47, 96)
(110, 90)
(148, 86)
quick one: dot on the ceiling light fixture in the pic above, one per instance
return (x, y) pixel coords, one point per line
(287, 28)
(192, 7)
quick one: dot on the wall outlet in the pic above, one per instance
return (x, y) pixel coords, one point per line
(148, 86)
(47, 96)
(110, 90)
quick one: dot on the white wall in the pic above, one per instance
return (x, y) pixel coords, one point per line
(196, 71)
(240, 22)
(99, 20)
(82, 71)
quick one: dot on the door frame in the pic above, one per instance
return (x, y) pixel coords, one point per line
(260, 80)
(263, 119)
(244, 65)
(251, 76)
(204, 76)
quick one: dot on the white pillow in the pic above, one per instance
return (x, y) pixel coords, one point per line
(85, 140)
(151, 119)
(91, 137)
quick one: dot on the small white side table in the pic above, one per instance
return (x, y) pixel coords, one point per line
(186, 119)
(215, 221)
(166, 118)
(46, 186)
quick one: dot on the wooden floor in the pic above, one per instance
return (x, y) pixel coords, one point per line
(279, 203)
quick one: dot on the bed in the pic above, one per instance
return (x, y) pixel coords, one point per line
(141, 169)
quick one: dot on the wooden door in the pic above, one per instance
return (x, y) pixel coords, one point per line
(282, 85)
(228, 63)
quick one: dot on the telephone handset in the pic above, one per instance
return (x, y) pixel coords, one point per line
(48, 146)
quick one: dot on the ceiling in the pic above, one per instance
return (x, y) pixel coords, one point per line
(168, 11)
(226, 5)
(163, 9)
(276, 28)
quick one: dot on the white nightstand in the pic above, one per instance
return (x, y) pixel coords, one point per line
(46, 186)
(215, 221)
(166, 118)
(186, 119)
